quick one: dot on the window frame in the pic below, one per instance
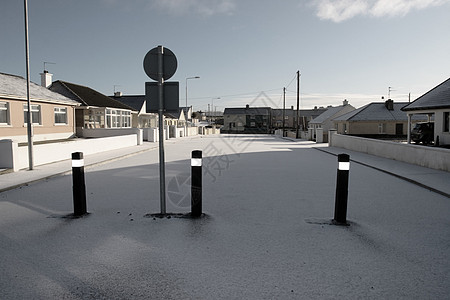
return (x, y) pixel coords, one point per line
(382, 128)
(446, 125)
(33, 110)
(57, 112)
(117, 118)
(7, 109)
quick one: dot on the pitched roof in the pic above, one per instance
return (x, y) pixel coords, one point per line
(185, 109)
(330, 112)
(247, 111)
(438, 97)
(86, 96)
(175, 115)
(15, 87)
(310, 113)
(376, 111)
(134, 101)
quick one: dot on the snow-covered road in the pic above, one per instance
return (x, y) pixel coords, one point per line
(265, 235)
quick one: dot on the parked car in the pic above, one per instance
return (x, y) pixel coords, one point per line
(423, 132)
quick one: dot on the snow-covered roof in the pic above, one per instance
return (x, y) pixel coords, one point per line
(330, 112)
(15, 87)
(438, 97)
(376, 111)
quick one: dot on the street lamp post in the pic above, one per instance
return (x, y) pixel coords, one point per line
(187, 110)
(212, 109)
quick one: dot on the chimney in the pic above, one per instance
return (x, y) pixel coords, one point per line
(389, 104)
(117, 94)
(46, 79)
(345, 102)
(247, 106)
(292, 107)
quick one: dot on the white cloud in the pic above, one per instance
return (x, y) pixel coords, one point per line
(202, 7)
(341, 10)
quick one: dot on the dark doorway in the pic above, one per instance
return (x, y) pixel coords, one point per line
(399, 129)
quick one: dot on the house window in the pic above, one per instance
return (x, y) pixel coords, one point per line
(116, 118)
(126, 119)
(252, 124)
(60, 115)
(446, 121)
(112, 118)
(4, 113)
(382, 128)
(35, 114)
(252, 117)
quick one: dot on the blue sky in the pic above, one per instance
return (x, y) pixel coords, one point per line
(344, 49)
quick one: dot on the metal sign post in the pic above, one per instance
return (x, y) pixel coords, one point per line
(162, 169)
(160, 64)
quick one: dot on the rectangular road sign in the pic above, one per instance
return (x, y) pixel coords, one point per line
(171, 97)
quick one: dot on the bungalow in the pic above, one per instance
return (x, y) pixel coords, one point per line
(139, 104)
(377, 119)
(52, 114)
(319, 127)
(97, 111)
(435, 102)
(247, 120)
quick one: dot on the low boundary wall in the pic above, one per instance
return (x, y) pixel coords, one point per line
(102, 132)
(14, 157)
(430, 157)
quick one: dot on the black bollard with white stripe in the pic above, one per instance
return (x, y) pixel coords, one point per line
(340, 209)
(196, 184)
(78, 187)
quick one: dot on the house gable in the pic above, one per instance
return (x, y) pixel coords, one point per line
(436, 98)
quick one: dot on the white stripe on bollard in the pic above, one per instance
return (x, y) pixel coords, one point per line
(344, 166)
(196, 162)
(77, 163)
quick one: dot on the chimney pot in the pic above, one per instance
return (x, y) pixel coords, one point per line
(389, 104)
(46, 79)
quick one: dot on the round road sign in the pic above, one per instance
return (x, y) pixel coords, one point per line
(151, 63)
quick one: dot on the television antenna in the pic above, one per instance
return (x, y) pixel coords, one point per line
(48, 63)
(389, 92)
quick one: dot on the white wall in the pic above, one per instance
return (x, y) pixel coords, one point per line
(152, 134)
(106, 132)
(40, 137)
(7, 149)
(430, 157)
(192, 131)
(48, 153)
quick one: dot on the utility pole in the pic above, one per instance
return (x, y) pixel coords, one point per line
(284, 107)
(29, 115)
(298, 105)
